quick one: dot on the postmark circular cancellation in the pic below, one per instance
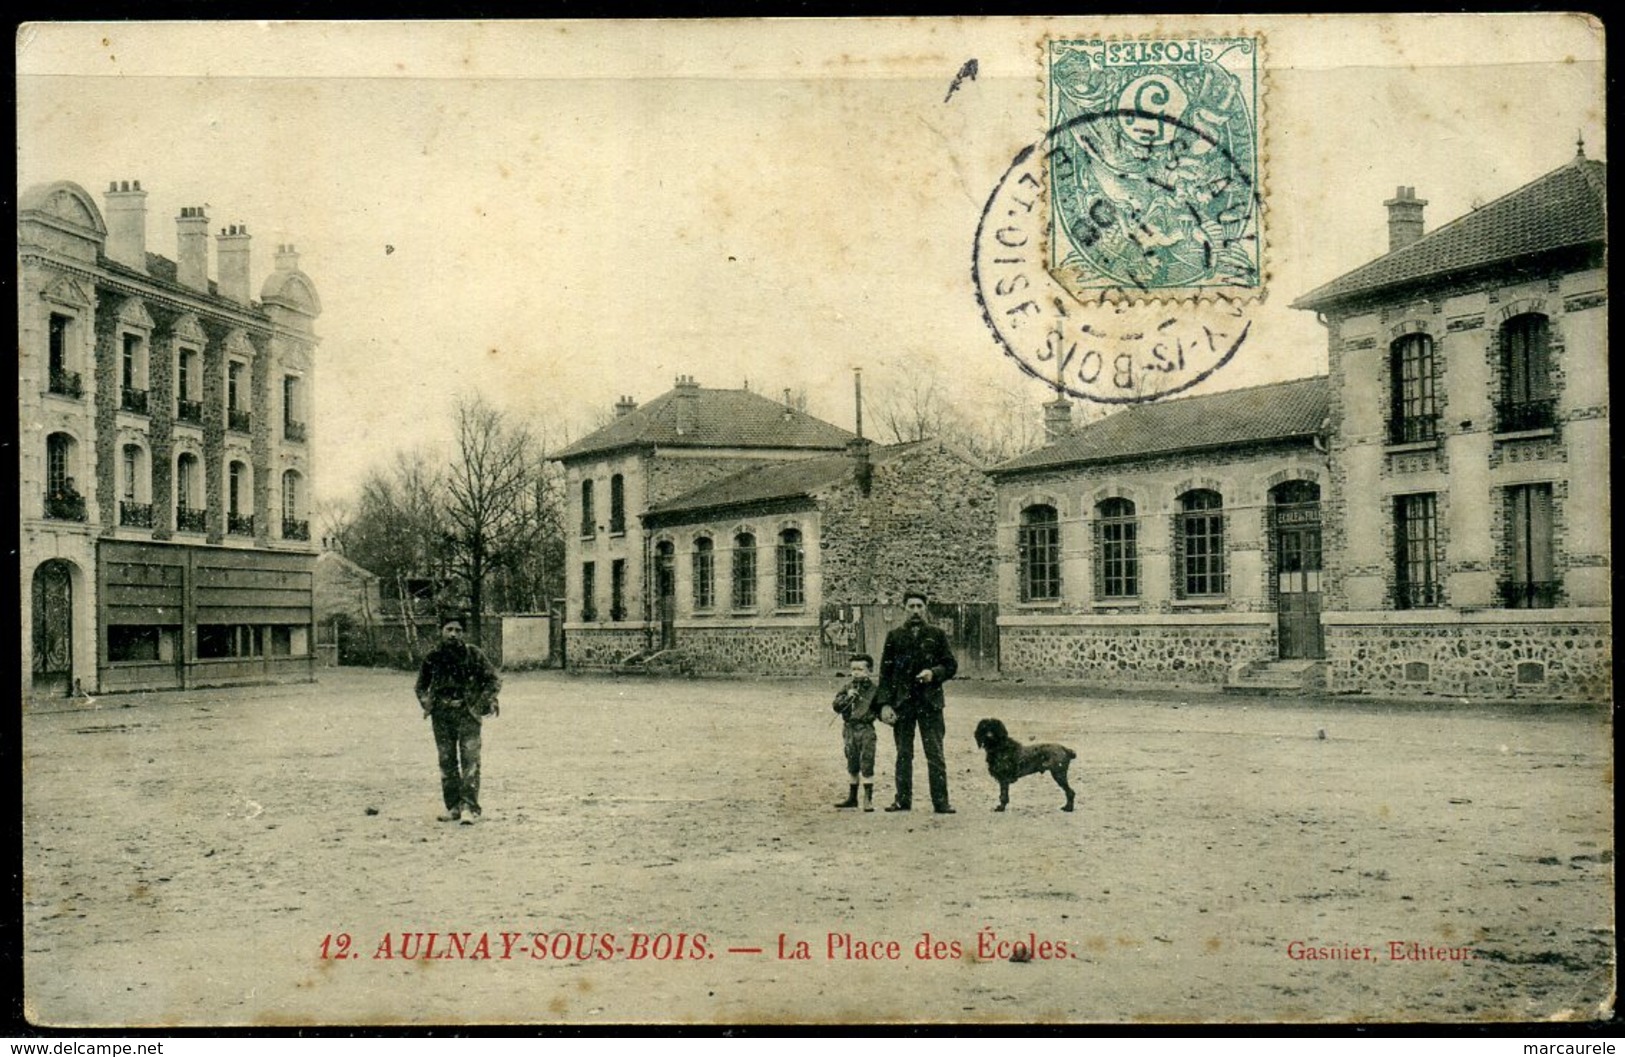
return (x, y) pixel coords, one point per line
(1117, 257)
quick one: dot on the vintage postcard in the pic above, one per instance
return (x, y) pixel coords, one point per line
(1088, 520)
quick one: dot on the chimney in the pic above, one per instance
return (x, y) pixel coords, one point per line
(1057, 419)
(192, 248)
(625, 406)
(1404, 217)
(231, 261)
(127, 224)
(287, 258)
(688, 394)
(863, 471)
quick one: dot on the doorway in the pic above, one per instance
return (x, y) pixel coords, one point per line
(1295, 528)
(53, 629)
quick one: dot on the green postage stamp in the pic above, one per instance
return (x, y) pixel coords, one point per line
(1154, 168)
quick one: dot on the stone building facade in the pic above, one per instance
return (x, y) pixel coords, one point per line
(164, 451)
(1468, 525)
(751, 569)
(1169, 543)
(680, 440)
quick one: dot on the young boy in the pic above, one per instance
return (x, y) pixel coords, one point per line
(856, 704)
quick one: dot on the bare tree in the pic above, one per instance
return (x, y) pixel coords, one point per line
(398, 531)
(489, 489)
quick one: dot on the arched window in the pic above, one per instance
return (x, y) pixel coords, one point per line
(63, 500)
(744, 571)
(1038, 549)
(792, 569)
(1117, 549)
(1199, 544)
(589, 522)
(134, 510)
(239, 499)
(1414, 409)
(1526, 399)
(294, 527)
(704, 573)
(188, 494)
(617, 505)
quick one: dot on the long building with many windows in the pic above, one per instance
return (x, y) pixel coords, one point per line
(164, 451)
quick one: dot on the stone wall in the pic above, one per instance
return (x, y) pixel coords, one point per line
(927, 523)
(779, 651)
(598, 648)
(1544, 661)
(1162, 654)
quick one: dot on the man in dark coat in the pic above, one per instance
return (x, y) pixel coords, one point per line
(457, 688)
(913, 667)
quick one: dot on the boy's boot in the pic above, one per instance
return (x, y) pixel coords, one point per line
(851, 797)
(868, 796)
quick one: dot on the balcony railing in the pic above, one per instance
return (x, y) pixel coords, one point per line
(293, 529)
(1537, 594)
(189, 520)
(67, 383)
(1514, 415)
(189, 411)
(134, 400)
(239, 421)
(1418, 596)
(59, 507)
(240, 525)
(293, 430)
(1414, 429)
(135, 515)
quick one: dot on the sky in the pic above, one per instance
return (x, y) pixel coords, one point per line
(554, 214)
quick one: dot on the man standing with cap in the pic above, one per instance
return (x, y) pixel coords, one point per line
(457, 688)
(913, 667)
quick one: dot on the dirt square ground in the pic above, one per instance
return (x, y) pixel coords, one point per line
(191, 857)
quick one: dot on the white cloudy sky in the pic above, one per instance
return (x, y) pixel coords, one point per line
(582, 210)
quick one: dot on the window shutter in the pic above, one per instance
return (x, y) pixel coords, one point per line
(1177, 531)
(1023, 565)
(1096, 564)
(1540, 533)
(1221, 553)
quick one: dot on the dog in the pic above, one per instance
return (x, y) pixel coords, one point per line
(1009, 760)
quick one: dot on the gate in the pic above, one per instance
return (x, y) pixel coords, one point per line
(972, 629)
(53, 629)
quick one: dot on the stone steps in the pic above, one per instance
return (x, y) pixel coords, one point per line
(1277, 677)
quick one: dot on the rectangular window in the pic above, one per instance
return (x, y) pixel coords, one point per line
(183, 376)
(1038, 550)
(589, 592)
(704, 574)
(1415, 411)
(132, 460)
(234, 489)
(744, 573)
(132, 642)
(290, 400)
(129, 377)
(1202, 541)
(617, 506)
(792, 565)
(617, 590)
(59, 344)
(1416, 536)
(1531, 583)
(1117, 549)
(219, 641)
(234, 382)
(589, 523)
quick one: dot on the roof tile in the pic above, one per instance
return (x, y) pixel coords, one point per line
(1240, 416)
(719, 418)
(1565, 208)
